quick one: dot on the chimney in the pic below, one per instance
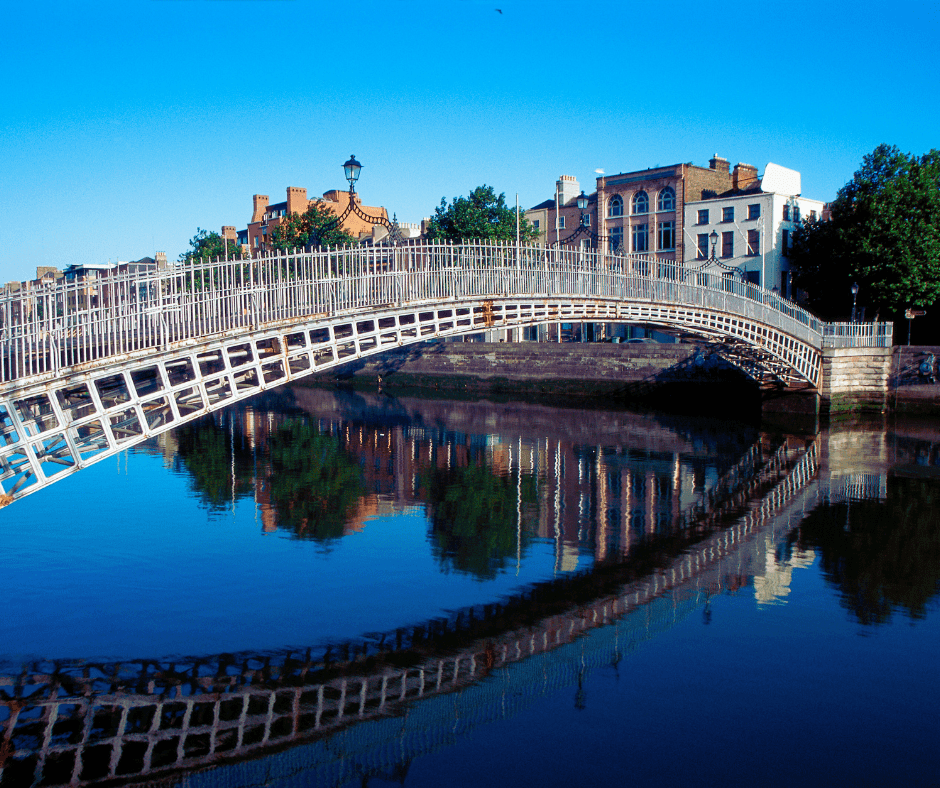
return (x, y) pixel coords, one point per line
(719, 164)
(296, 199)
(568, 189)
(743, 177)
(260, 206)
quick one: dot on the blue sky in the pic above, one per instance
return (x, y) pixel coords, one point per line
(128, 125)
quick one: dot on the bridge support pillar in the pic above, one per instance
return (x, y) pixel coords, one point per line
(854, 380)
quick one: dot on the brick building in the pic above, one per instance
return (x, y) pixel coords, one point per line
(641, 212)
(265, 217)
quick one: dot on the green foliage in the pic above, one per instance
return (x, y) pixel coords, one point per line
(220, 469)
(299, 230)
(481, 215)
(208, 246)
(474, 518)
(884, 234)
(314, 484)
(883, 556)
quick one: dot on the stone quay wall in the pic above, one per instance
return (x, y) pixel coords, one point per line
(854, 379)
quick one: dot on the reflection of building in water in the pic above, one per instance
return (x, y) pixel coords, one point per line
(774, 584)
(600, 498)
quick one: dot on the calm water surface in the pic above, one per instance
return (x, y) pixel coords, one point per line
(324, 589)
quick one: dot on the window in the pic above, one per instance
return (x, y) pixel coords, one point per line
(667, 200)
(703, 216)
(561, 222)
(641, 203)
(587, 220)
(786, 212)
(640, 238)
(753, 242)
(616, 238)
(727, 214)
(702, 246)
(753, 211)
(796, 213)
(615, 206)
(785, 244)
(812, 216)
(667, 235)
(727, 244)
(535, 224)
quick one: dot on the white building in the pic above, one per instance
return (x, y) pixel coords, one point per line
(749, 233)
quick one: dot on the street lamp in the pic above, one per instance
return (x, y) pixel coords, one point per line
(582, 202)
(854, 298)
(713, 237)
(352, 168)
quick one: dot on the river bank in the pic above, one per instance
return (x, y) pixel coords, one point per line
(686, 376)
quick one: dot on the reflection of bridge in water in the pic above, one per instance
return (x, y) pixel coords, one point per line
(355, 709)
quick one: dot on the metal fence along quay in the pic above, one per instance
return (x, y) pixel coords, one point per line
(90, 367)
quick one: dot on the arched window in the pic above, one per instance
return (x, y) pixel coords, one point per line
(615, 206)
(667, 200)
(641, 203)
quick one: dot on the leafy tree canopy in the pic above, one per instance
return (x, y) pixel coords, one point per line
(309, 229)
(208, 245)
(480, 215)
(884, 234)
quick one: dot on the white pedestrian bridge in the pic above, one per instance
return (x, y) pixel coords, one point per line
(91, 367)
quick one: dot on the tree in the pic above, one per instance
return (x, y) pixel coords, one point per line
(475, 525)
(884, 234)
(208, 245)
(309, 229)
(481, 215)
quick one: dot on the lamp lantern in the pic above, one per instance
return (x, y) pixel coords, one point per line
(352, 168)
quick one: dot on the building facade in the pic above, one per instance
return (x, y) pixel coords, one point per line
(639, 212)
(256, 237)
(564, 206)
(642, 212)
(748, 234)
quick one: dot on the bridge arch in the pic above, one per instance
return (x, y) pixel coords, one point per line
(84, 375)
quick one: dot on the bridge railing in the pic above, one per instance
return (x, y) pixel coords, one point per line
(80, 322)
(857, 334)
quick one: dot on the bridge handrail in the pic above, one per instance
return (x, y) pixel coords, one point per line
(78, 322)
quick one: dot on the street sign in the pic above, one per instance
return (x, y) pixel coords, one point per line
(910, 314)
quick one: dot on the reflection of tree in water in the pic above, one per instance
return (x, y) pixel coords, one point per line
(313, 483)
(220, 466)
(475, 524)
(883, 555)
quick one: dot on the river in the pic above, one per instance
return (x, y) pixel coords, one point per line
(342, 589)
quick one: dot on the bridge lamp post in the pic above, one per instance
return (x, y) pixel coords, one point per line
(713, 237)
(351, 169)
(582, 202)
(854, 298)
